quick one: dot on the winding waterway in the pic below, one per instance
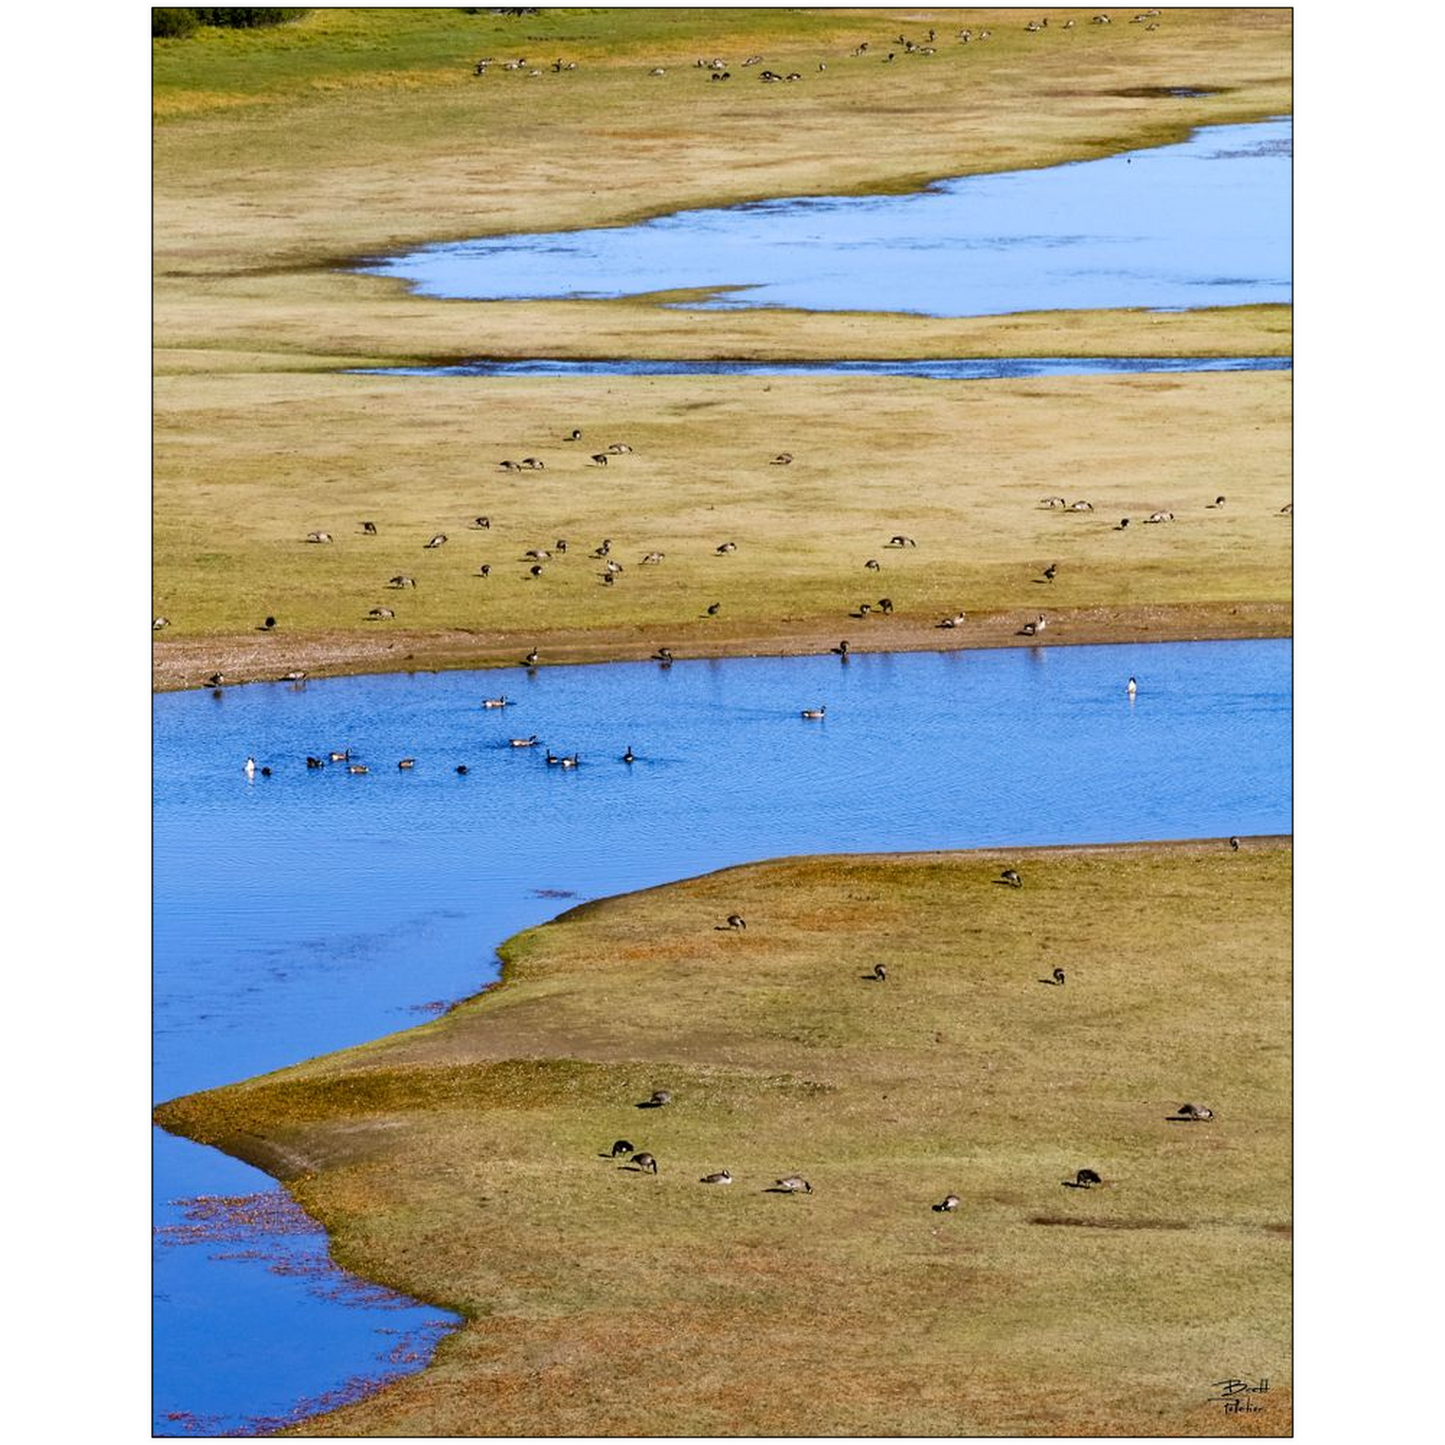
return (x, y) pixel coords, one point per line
(314, 909)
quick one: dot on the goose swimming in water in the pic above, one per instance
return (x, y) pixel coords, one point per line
(341, 757)
(407, 763)
(721, 1177)
(1132, 688)
(629, 756)
(461, 770)
(570, 762)
(502, 701)
(250, 768)
(358, 769)
(314, 763)
(530, 742)
(645, 1161)
(813, 712)
(947, 1204)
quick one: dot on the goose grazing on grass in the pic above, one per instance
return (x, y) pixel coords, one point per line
(873, 565)
(726, 547)
(1123, 524)
(658, 1099)
(814, 712)
(502, 701)
(793, 1184)
(1287, 510)
(901, 541)
(599, 459)
(1133, 687)
(1059, 976)
(1011, 878)
(159, 623)
(402, 580)
(782, 459)
(533, 464)
(407, 763)
(1217, 502)
(1052, 502)
(1234, 845)
(644, 1161)
(1080, 507)
(575, 435)
(653, 558)
(885, 604)
(714, 608)
(318, 536)
(485, 570)
(535, 570)
(603, 547)
(947, 1204)
(368, 529)
(380, 614)
(438, 541)
(1194, 1111)
(250, 768)
(736, 920)
(482, 524)
(623, 1146)
(1086, 1178)
(560, 546)
(530, 742)
(721, 1177)
(269, 625)
(1159, 517)
(880, 972)
(537, 554)
(619, 449)
(1051, 571)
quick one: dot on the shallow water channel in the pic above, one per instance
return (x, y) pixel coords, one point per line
(314, 909)
(1206, 222)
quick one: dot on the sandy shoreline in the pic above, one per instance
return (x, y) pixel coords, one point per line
(185, 662)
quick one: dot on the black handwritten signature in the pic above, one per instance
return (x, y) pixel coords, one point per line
(1236, 1395)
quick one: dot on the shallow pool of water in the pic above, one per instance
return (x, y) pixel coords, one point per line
(1205, 222)
(957, 369)
(314, 909)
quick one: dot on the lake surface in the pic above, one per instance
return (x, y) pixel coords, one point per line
(1206, 222)
(314, 909)
(960, 369)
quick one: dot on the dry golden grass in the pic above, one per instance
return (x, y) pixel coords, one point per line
(460, 1162)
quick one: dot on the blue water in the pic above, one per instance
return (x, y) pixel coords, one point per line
(1206, 222)
(310, 910)
(939, 370)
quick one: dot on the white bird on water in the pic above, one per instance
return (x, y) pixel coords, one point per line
(1132, 688)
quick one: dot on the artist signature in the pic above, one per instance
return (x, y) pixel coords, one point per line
(1237, 1396)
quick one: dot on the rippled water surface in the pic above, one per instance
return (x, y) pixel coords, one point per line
(1203, 223)
(313, 909)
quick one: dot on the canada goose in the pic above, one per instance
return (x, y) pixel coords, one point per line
(865, 609)
(1086, 1177)
(575, 435)
(358, 768)
(1051, 571)
(318, 536)
(619, 449)
(782, 459)
(657, 70)
(1080, 506)
(461, 770)
(1287, 510)
(535, 570)
(841, 650)
(402, 580)
(314, 763)
(1234, 845)
(380, 614)
(1194, 1111)
(721, 1177)
(793, 1184)
(215, 679)
(901, 541)
(159, 623)
(880, 972)
(714, 608)
(1123, 523)
(296, 676)
(736, 920)
(1160, 517)
(599, 459)
(495, 701)
(368, 529)
(570, 762)
(629, 756)
(873, 565)
(530, 742)
(645, 1161)
(269, 625)
(603, 547)
(407, 763)
(721, 75)
(485, 570)
(660, 1097)
(533, 464)
(531, 658)
(885, 604)
(560, 546)
(957, 620)
(552, 759)
(1132, 688)
(653, 558)
(342, 757)
(250, 768)
(1032, 629)
(1052, 502)
(1217, 502)
(265, 772)
(537, 554)
(623, 1146)
(482, 524)
(813, 712)
(1059, 976)
(609, 579)
(613, 569)
(947, 1204)
(663, 654)
(1011, 878)
(438, 541)
(727, 547)
(508, 466)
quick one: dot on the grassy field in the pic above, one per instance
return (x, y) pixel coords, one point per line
(279, 153)
(461, 1162)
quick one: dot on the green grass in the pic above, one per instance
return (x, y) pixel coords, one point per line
(460, 1161)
